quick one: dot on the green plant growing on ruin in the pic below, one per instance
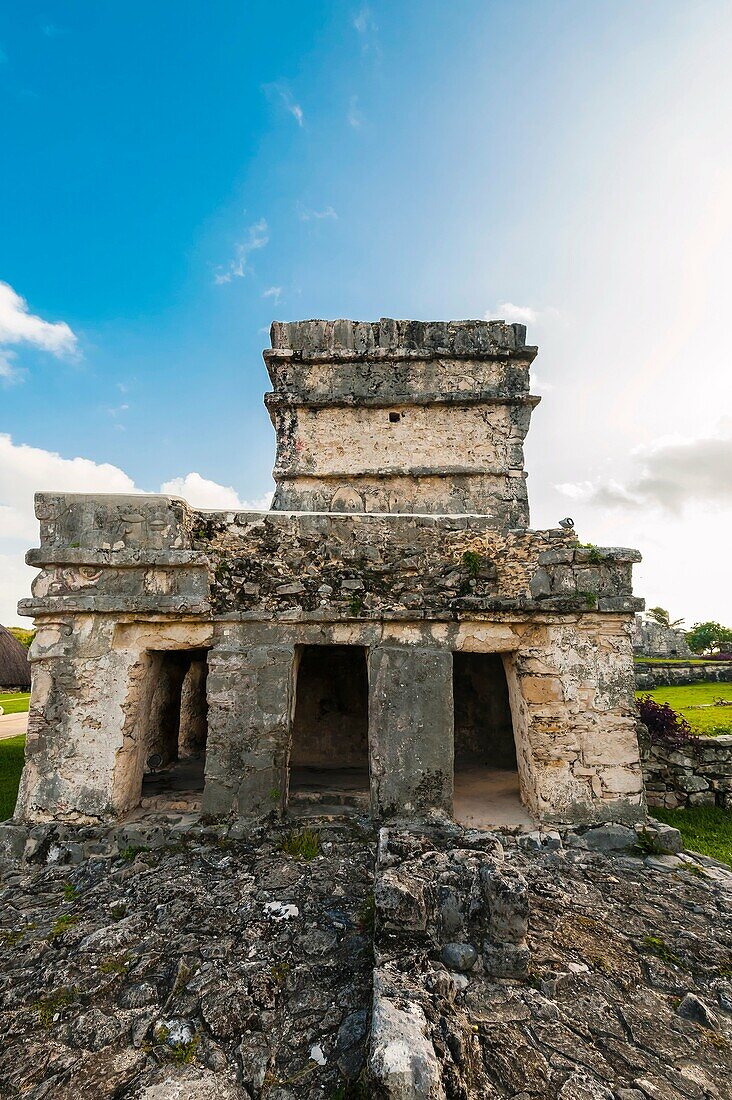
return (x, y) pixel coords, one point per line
(183, 1054)
(590, 598)
(274, 795)
(115, 964)
(70, 892)
(355, 604)
(47, 1007)
(62, 925)
(280, 970)
(302, 845)
(118, 911)
(595, 556)
(11, 937)
(471, 561)
(654, 945)
(131, 852)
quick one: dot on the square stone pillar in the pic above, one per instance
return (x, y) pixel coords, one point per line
(249, 716)
(411, 743)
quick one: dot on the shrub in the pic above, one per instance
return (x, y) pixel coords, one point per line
(664, 725)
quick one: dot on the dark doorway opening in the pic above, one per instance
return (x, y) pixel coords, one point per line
(329, 755)
(176, 727)
(486, 775)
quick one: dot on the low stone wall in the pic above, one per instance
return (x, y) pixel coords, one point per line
(648, 677)
(698, 774)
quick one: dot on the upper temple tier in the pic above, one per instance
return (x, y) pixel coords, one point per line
(401, 416)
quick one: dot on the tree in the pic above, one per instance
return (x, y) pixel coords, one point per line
(709, 637)
(24, 636)
(660, 615)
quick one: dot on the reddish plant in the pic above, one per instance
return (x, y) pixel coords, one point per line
(664, 725)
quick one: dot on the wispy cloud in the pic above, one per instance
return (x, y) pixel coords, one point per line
(257, 237)
(273, 292)
(19, 326)
(523, 315)
(354, 116)
(306, 214)
(670, 473)
(363, 21)
(280, 93)
(50, 30)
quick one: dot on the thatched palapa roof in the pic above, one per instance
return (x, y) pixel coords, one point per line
(14, 666)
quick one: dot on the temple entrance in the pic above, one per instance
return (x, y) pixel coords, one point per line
(329, 757)
(175, 727)
(486, 774)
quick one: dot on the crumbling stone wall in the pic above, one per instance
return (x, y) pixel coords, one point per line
(698, 773)
(648, 677)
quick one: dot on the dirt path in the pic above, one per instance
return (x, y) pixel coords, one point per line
(12, 725)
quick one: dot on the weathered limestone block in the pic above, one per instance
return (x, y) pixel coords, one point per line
(410, 730)
(574, 719)
(250, 703)
(75, 723)
(402, 1058)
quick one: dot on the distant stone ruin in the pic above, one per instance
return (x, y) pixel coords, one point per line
(391, 635)
(654, 639)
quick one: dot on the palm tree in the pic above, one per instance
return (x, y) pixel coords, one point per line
(660, 615)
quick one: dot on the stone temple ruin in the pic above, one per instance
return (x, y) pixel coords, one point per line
(391, 635)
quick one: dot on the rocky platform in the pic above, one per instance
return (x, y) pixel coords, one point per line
(220, 969)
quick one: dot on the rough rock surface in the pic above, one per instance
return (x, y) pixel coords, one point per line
(236, 971)
(201, 972)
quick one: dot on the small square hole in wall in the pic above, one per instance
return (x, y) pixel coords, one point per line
(395, 417)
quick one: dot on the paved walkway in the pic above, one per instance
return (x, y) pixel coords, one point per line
(12, 725)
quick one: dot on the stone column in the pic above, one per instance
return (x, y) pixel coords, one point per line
(76, 724)
(193, 709)
(249, 717)
(410, 730)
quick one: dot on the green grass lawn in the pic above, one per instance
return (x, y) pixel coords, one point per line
(14, 703)
(705, 829)
(11, 765)
(675, 661)
(708, 723)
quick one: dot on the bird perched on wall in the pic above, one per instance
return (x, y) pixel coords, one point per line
(567, 523)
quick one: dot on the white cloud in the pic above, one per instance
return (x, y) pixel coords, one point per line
(305, 214)
(19, 326)
(523, 315)
(25, 470)
(282, 94)
(671, 474)
(202, 493)
(257, 237)
(273, 292)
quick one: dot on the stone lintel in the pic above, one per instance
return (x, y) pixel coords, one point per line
(117, 559)
(391, 339)
(388, 472)
(318, 400)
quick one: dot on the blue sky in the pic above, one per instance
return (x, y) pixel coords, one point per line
(178, 174)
